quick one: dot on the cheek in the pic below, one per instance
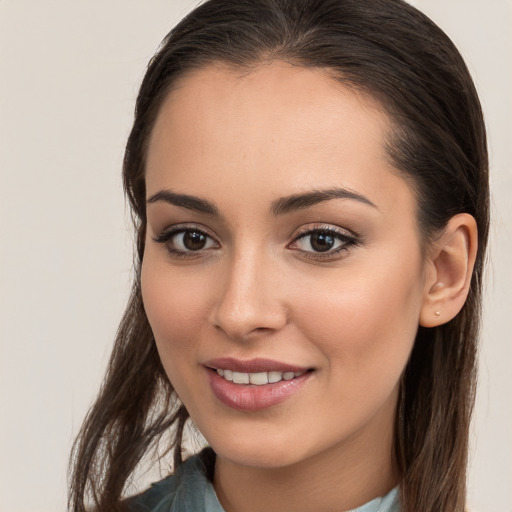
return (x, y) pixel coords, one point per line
(364, 323)
(175, 307)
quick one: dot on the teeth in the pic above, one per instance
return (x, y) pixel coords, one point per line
(257, 379)
(275, 376)
(240, 378)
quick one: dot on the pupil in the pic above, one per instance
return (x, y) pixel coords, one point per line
(322, 242)
(194, 241)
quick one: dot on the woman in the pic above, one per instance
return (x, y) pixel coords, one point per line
(310, 192)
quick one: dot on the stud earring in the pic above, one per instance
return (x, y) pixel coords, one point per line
(437, 314)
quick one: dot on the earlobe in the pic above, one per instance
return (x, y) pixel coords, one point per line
(449, 270)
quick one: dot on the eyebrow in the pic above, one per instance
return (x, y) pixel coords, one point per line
(184, 201)
(280, 206)
(300, 201)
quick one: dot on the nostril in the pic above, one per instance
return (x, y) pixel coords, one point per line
(262, 329)
(242, 331)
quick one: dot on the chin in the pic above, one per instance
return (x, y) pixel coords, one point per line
(260, 457)
(265, 451)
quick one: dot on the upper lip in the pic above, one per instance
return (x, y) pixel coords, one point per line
(255, 365)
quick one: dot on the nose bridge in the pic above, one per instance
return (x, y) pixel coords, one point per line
(248, 300)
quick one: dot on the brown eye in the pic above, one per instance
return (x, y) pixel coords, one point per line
(194, 241)
(322, 242)
(186, 241)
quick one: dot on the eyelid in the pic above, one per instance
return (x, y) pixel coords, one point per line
(343, 232)
(168, 231)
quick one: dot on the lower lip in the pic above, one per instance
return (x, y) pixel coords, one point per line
(249, 397)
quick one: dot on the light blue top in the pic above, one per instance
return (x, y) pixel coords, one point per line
(189, 490)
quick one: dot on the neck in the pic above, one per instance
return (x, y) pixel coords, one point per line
(342, 478)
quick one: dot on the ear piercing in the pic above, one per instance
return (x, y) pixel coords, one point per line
(437, 314)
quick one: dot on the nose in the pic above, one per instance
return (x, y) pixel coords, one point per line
(250, 300)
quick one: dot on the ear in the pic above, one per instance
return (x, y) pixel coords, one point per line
(449, 268)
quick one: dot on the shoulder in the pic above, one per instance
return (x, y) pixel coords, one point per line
(188, 489)
(156, 495)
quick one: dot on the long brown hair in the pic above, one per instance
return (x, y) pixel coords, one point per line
(393, 52)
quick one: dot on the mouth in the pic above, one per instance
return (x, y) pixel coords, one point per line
(256, 384)
(258, 378)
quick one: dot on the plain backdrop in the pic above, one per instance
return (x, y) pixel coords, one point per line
(69, 72)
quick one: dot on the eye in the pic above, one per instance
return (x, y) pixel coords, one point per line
(181, 241)
(191, 241)
(323, 241)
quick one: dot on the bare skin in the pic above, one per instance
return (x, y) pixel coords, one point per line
(336, 285)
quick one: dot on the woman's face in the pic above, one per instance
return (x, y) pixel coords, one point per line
(282, 273)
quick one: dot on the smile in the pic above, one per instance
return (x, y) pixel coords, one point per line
(259, 378)
(256, 384)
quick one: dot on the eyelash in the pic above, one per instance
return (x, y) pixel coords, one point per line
(348, 239)
(167, 235)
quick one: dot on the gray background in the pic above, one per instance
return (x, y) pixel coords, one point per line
(69, 72)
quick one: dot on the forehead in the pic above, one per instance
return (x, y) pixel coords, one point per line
(278, 127)
(273, 100)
